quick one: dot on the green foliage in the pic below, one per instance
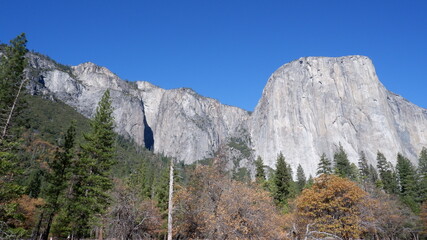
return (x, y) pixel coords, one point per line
(162, 190)
(342, 164)
(422, 175)
(283, 181)
(34, 186)
(325, 165)
(259, 170)
(301, 179)
(50, 119)
(91, 178)
(58, 177)
(238, 144)
(12, 65)
(387, 175)
(408, 182)
(363, 167)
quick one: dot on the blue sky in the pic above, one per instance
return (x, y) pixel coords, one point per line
(226, 49)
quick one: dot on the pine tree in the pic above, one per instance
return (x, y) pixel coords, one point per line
(12, 80)
(58, 178)
(325, 166)
(342, 165)
(301, 179)
(143, 180)
(12, 64)
(91, 172)
(282, 180)
(422, 175)
(387, 175)
(373, 175)
(407, 180)
(260, 173)
(162, 190)
(363, 167)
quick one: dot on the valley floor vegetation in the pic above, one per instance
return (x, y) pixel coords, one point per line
(63, 176)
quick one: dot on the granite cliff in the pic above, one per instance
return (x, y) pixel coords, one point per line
(308, 107)
(313, 104)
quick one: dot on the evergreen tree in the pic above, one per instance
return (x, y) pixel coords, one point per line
(363, 167)
(12, 79)
(373, 175)
(387, 175)
(12, 64)
(354, 172)
(342, 165)
(282, 180)
(143, 179)
(407, 180)
(325, 166)
(422, 175)
(422, 162)
(310, 182)
(260, 173)
(91, 172)
(301, 180)
(162, 190)
(58, 178)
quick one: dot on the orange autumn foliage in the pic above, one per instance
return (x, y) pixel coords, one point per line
(216, 207)
(28, 207)
(333, 205)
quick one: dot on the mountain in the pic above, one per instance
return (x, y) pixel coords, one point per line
(178, 122)
(308, 107)
(313, 104)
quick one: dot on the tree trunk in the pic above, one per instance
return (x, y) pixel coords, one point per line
(170, 206)
(9, 117)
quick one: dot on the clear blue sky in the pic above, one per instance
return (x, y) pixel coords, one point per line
(225, 49)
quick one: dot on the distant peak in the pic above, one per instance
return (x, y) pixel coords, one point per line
(90, 67)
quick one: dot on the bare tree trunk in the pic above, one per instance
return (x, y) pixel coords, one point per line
(170, 206)
(11, 111)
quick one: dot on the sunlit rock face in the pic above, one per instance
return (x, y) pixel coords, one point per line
(313, 104)
(307, 108)
(178, 122)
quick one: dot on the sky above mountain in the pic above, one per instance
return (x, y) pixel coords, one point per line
(226, 49)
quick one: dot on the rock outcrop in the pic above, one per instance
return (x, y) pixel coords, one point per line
(308, 107)
(178, 122)
(313, 104)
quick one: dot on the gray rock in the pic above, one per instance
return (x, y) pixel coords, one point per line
(308, 107)
(313, 104)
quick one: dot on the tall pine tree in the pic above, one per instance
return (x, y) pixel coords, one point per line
(387, 175)
(422, 175)
(58, 178)
(12, 64)
(91, 179)
(301, 179)
(12, 80)
(259, 168)
(325, 165)
(408, 183)
(282, 180)
(342, 165)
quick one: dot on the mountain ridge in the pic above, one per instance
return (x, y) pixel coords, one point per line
(183, 124)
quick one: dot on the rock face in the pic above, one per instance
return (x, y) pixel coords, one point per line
(313, 104)
(308, 107)
(178, 122)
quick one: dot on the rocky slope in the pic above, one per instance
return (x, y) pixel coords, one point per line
(177, 122)
(313, 104)
(308, 107)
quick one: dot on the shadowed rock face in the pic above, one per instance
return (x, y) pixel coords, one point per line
(313, 104)
(308, 107)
